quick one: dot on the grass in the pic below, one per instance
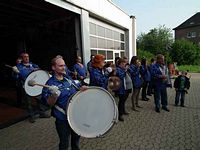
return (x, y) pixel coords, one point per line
(191, 68)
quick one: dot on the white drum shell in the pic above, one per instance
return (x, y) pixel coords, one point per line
(92, 113)
(40, 77)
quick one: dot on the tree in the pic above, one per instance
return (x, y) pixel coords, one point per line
(185, 52)
(158, 40)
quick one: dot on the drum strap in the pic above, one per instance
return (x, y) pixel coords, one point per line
(60, 109)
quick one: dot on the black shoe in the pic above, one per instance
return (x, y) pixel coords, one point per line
(165, 108)
(144, 99)
(121, 118)
(149, 94)
(182, 105)
(147, 98)
(176, 105)
(44, 116)
(31, 120)
(157, 110)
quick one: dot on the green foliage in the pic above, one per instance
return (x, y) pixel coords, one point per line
(185, 52)
(158, 40)
(145, 54)
(190, 68)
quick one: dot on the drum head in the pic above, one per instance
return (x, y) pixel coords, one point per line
(39, 76)
(92, 113)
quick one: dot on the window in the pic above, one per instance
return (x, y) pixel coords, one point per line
(109, 54)
(117, 45)
(93, 29)
(101, 31)
(102, 52)
(93, 42)
(106, 40)
(101, 43)
(122, 54)
(93, 52)
(116, 35)
(110, 44)
(122, 37)
(191, 34)
(109, 33)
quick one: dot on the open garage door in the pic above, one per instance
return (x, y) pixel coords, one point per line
(39, 28)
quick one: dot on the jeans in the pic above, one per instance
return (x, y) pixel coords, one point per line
(180, 95)
(64, 131)
(160, 94)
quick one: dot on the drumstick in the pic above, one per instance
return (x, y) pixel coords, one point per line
(8, 66)
(33, 83)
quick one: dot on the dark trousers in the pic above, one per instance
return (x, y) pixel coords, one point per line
(28, 102)
(121, 103)
(160, 94)
(150, 88)
(144, 89)
(64, 131)
(180, 95)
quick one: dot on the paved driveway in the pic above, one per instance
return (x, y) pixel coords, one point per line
(178, 129)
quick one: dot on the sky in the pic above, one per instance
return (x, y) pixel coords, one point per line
(154, 13)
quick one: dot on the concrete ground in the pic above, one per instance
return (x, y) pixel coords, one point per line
(178, 129)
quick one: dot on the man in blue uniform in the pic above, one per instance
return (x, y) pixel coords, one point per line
(160, 75)
(57, 96)
(22, 71)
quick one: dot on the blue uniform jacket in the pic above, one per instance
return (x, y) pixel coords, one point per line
(135, 76)
(145, 73)
(156, 75)
(25, 70)
(67, 90)
(80, 71)
(121, 73)
(98, 78)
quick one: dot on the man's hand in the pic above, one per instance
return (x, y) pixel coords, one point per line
(15, 70)
(55, 91)
(83, 88)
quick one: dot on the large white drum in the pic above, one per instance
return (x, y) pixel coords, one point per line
(40, 77)
(92, 113)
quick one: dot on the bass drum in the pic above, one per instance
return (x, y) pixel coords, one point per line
(92, 113)
(40, 77)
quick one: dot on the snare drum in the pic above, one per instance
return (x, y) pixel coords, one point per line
(39, 76)
(92, 113)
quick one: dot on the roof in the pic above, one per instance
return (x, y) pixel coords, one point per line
(191, 22)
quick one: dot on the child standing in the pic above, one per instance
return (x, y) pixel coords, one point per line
(181, 85)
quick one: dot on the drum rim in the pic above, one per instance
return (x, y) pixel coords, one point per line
(25, 83)
(115, 117)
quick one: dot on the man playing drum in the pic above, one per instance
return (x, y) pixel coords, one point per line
(22, 70)
(57, 96)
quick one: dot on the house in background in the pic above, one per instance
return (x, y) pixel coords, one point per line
(189, 30)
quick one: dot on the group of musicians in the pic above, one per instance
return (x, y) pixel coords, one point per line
(61, 86)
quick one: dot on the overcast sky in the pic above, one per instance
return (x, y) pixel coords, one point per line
(152, 13)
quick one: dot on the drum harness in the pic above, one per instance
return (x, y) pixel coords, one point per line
(71, 84)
